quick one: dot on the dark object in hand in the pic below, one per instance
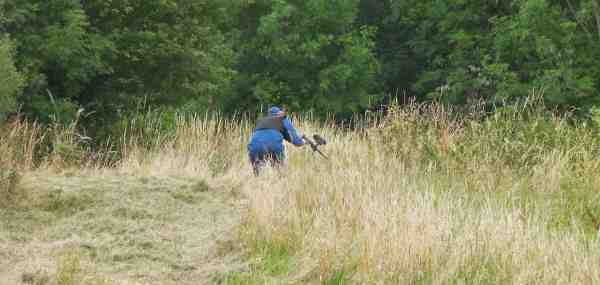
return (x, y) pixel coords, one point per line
(319, 140)
(315, 145)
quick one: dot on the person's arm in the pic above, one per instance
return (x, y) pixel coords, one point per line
(291, 131)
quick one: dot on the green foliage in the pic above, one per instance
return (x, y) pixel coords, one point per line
(10, 79)
(545, 49)
(448, 39)
(166, 52)
(335, 57)
(109, 57)
(56, 51)
(306, 55)
(495, 51)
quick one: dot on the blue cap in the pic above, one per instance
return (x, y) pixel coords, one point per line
(275, 111)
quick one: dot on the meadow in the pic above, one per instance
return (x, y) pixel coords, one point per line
(424, 194)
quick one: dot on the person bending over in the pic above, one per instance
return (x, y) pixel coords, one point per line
(266, 143)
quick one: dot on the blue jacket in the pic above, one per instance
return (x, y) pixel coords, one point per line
(271, 140)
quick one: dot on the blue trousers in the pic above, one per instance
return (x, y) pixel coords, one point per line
(260, 159)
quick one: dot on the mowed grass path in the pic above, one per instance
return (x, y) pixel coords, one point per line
(115, 228)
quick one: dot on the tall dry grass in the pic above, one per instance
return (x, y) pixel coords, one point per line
(207, 146)
(432, 197)
(18, 146)
(426, 195)
(200, 145)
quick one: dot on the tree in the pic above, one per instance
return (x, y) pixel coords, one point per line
(546, 49)
(165, 51)
(11, 81)
(306, 55)
(57, 53)
(110, 57)
(462, 50)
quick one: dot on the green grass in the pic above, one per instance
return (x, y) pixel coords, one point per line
(338, 278)
(268, 261)
(273, 259)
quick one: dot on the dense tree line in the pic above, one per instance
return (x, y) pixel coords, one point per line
(330, 56)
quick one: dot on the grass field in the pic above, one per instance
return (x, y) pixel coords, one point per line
(422, 196)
